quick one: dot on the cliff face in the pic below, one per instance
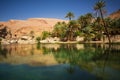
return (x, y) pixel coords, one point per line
(115, 15)
(37, 25)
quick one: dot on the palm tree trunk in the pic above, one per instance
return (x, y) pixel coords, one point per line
(106, 30)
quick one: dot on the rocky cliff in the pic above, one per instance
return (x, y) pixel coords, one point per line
(37, 25)
(115, 15)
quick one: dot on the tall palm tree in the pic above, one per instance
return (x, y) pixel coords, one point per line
(59, 29)
(98, 28)
(85, 20)
(71, 30)
(82, 22)
(85, 25)
(99, 7)
(69, 15)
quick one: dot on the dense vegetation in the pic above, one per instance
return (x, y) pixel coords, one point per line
(90, 26)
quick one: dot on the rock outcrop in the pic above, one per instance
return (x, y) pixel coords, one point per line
(37, 25)
(115, 15)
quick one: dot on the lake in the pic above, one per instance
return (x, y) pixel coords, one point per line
(60, 62)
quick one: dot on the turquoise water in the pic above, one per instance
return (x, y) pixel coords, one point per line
(57, 72)
(60, 62)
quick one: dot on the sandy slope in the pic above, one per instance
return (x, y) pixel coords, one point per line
(23, 27)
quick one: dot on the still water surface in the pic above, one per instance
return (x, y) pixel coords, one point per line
(60, 62)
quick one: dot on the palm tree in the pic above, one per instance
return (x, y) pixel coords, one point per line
(98, 28)
(89, 18)
(69, 15)
(99, 7)
(82, 21)
(59, 29)
(72, 28)
(45, 34)
(85, 20)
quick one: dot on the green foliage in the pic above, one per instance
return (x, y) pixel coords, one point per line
(72, 28)
(86, 28)
(69, 15)
(59, 29)
(79, 33)
(38, 39)
(92, 28)
(3, 31)
(85, 20)
(45, 34)
(38, 46)
(113, 26)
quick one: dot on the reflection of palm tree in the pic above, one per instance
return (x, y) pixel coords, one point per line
(107, 52)
(32, 50)
(102, 54)
(3, 51)
(71, 69)
(38, 45)
(10, 50)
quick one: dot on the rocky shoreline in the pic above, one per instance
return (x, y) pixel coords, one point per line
(7, 42)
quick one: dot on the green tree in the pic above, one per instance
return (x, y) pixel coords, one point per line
(113, 26)
(59, 30)
(82, 21)
(85, 22)
(89, 18)
(4, 31)
(45, 34)
(99, 7)
(72, 28)
(98, 29)
(38, 39)
(69, 15)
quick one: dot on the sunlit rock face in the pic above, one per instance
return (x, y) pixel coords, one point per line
(37, 25)
(115, 15)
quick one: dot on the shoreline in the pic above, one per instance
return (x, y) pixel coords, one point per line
(61, 42)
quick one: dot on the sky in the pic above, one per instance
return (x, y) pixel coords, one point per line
(24, 9)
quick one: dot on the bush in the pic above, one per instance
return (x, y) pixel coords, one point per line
(38, 39)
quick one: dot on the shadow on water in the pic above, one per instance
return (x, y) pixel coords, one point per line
(3, 51)
(101, 61)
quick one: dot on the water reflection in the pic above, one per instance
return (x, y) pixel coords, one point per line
(38, 46)
(3, 52)
(101, 60)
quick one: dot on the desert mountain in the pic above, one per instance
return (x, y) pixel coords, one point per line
(115, 15)
(37, 25)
